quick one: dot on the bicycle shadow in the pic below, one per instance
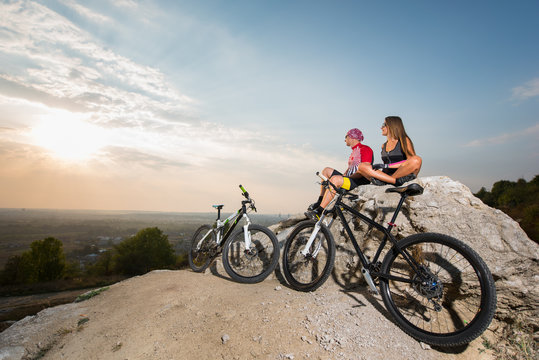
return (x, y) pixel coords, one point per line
(216, 271)
(352, 284)
(280, 277)
(220, 272)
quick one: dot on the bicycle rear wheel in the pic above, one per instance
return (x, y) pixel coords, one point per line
(451, 302)
(255, 264)
(202, 248)
(308, 272)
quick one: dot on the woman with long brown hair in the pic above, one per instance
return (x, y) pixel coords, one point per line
(401, 164)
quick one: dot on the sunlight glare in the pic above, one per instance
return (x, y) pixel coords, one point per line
(68, 137)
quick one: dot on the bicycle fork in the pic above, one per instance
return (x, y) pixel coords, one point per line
(305, 252)
(247, 234)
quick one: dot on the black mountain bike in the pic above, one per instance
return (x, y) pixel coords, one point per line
(437, 288)
(250, 253)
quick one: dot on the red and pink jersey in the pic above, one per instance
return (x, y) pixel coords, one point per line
(360, 153)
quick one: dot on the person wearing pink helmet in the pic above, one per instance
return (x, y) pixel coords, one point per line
(361, 154)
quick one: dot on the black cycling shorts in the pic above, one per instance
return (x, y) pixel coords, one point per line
(389, 171)
(351, 183)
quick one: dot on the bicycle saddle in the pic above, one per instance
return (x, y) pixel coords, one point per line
(410, 190)
(218, 207)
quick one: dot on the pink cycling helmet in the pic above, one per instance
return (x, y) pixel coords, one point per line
(355, 134)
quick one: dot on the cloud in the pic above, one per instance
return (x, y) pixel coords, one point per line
(133, 158)
(53, 71)
(86, 12)
(16, 89)
(50, 58)
(504, 138)
(526, 91)
(128, 4)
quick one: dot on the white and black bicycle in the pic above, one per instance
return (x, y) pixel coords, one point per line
(250, 253)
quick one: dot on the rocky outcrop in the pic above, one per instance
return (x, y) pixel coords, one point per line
(446, 207)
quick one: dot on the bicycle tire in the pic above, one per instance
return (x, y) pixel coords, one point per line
(252, 266)
(454, 306)
(200, 256)
(307, 273)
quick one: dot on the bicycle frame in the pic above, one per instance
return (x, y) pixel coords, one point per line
(221, 237)
(368, 267)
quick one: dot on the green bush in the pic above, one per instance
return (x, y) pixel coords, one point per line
(104, 265)
(182, 261)
(17, 270)
(45, 261)
(48, 259)
(148, 250)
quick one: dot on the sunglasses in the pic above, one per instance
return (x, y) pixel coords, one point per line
(384, 125)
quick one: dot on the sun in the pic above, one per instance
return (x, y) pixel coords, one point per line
(68, 136)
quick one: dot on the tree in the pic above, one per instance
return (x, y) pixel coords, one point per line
(148, 250)
(519, 199)
(103, 266)
(18, 270)
(500, 192)
(45, 261)
(485, 196)
(48, 259)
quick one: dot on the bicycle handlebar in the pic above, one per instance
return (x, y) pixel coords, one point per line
(249, 200)
(321, 176)
(245, 193)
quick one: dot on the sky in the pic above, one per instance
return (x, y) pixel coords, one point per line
(170, 105)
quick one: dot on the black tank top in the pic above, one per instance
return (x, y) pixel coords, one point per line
(394, 155)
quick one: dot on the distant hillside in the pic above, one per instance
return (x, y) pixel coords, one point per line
(84, 231)
(519, 200)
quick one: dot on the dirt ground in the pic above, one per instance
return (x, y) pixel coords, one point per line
(186, 315)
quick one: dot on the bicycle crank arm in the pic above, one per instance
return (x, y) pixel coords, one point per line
(368, 278)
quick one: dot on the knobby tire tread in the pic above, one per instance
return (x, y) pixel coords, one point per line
(488, 293)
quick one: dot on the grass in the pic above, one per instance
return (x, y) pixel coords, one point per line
(90, 294)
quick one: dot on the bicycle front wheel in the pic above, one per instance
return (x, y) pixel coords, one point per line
(308, 272)
(452, 299)
(202, 247)
(256, 263)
